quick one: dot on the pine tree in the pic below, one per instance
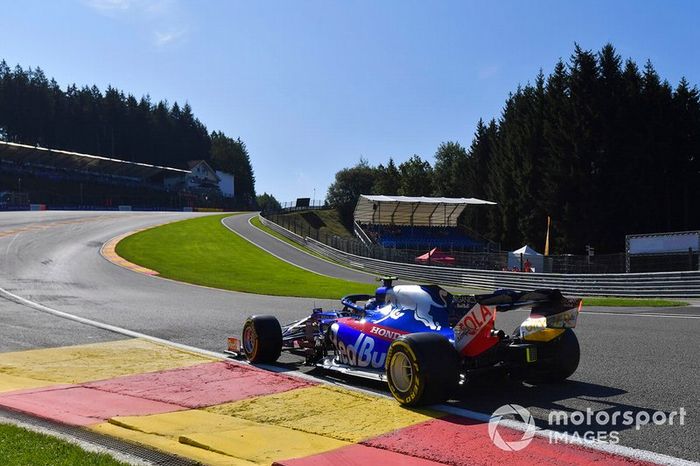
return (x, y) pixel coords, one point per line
(231, 156)
(686, 122)
(34, 110)
(476, 180)
(387, 179)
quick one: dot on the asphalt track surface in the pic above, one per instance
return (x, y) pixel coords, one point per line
(241, 225)
(643, 359)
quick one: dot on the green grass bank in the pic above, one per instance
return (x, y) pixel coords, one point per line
(204, 252)
(20, 446)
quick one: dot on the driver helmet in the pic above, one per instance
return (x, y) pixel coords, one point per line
(380, 295)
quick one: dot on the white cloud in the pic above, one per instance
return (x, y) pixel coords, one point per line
(110, 6)
(160, 7)
(162, 19)
(163, 38)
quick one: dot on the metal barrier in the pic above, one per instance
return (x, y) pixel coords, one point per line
(653, 284)
(499, 261)
(283, 231)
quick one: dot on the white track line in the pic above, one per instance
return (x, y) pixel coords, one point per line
(619, 450)
(272, 253)
(374, 277)
(311, 255)
(171, 280)
(637, 314)
(192, 349)
(658, 315)
(613, 449)
(112, 328)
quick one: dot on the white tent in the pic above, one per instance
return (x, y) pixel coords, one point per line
(528, 254)
(419, 211)
(527, 250)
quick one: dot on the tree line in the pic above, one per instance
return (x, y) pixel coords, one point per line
(601, 146)
(36, 110)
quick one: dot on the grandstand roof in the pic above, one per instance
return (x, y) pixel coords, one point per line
(404, 210)
(40, 156)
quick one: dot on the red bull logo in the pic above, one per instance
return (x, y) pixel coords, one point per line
(360, 353)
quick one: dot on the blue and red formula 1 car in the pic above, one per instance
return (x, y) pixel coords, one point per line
(424, 341)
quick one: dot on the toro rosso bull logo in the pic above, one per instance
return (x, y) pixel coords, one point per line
(389, 312)
(420, 301)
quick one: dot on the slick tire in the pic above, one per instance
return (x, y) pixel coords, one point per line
(422, 368)
(262, 339)
(557, 359)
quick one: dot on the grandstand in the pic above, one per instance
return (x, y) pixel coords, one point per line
(417, 223)
(63, 179)
(407, 237)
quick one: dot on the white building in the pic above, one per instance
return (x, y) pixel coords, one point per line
(201, 176)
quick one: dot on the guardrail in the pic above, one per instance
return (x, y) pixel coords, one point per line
(498, 260)
(283, 231)
(653, 284)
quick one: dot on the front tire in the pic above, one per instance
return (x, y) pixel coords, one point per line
(262, 339)
(422, 368)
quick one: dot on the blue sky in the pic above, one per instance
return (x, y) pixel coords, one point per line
(312, 86)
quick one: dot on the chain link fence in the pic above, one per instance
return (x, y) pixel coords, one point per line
(295, 206)
(498, 261)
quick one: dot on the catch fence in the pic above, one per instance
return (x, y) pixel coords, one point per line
(681, 284)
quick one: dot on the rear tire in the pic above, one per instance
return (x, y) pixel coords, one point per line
(262, 339)
(557, 359)
(422, 368)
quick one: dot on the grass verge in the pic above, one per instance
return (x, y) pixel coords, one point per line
(204, 252)
(631, 302)
(20, 446)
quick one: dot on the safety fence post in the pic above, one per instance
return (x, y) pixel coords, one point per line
(690, 258)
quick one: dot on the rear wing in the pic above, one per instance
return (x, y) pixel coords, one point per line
(543, 302)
